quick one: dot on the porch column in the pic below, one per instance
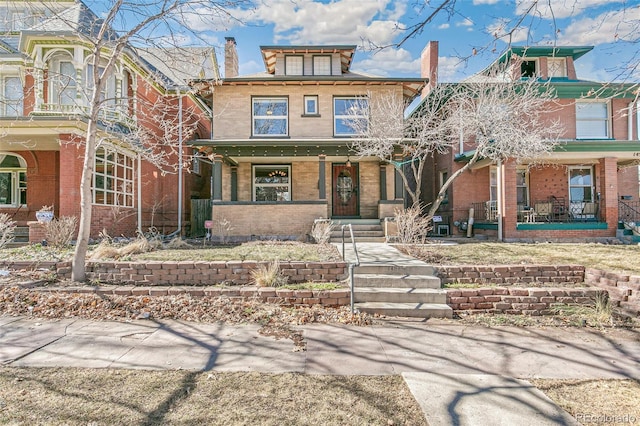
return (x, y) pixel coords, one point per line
(510, 200)
(608, 191)
(383, 181)
(217, 178)
(322, 181)
(399, 186)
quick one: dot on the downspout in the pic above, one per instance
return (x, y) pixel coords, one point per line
(180, 200)
(139, 160)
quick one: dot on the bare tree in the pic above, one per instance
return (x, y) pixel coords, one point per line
(501, 120)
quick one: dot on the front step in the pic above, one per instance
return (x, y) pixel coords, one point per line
(364, 231)
(397, 281)
(413, 310)
(395, 269)
(400, 295)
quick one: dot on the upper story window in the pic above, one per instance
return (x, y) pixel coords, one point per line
(11, 104)
(556, 67)
(322, 65)
(13, 180)
(293, 65)
(592, 120)
(529, 68)
(311, 105)
(62, 79)
(270, 116)
(350, 115)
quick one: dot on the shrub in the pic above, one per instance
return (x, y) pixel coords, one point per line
(7, 228)
(268, 275)
(60, 232)
(321, 231)
(412, 226)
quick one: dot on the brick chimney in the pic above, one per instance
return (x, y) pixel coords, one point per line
(429, 66)
(230, 58)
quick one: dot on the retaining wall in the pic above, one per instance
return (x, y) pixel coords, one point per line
(546, 274)
(623, 289)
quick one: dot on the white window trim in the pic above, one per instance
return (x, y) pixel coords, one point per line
(591, 185)
(123, 186)
(287, 71)
(348, 116)
(311, 98)
(17, 104)
(269, 117)
(56, 88)
(562, 61)
(537, 70)
(607, 119)
(313, 61)
(15, 172)
(267, 185)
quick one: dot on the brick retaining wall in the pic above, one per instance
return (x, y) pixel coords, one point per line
(510, 274)
(517, 300)
(623, 289)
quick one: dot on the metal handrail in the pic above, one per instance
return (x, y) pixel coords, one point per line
(352, 265)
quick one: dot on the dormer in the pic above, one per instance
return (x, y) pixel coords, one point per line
(298, 61)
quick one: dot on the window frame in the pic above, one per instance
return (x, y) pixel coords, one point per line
(314, 67)
(307, 112)
(443, 175)
(337, 117)
(563, 67)
(274, 167)
(13, 104)
(114, 185)
(255, 117)
(536, 71)
(580, 133)
(589, 185)
(17, 181)
(286, 64)
(62, 86)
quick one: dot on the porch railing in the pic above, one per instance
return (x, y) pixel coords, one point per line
(109, 115)
(629, 211)
(552, 209)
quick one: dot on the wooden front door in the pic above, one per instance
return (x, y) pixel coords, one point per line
(346, 200)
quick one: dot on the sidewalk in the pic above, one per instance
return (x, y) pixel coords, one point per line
(453, 371)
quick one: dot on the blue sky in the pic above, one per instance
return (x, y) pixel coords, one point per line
(611, 26)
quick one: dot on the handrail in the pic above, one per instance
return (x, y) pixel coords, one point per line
(628, 211)
(352, 265)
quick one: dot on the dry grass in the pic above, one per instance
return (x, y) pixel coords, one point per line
(595, 401)
(60, 232)
(614, 258)
(83, 396)
(268, 275)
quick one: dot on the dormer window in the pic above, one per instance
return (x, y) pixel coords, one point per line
(556, 67)
(322, 65)
(293, 65)
(529, 68)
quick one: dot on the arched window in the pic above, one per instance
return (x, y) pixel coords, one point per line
(13, 180)
(62, 80)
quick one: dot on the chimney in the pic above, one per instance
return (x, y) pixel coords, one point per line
(230, 58)
(429, 66)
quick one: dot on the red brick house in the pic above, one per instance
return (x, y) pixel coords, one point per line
(280, 142)
(587, 186)
(44, 77)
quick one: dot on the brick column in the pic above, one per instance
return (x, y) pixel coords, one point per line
(510, 200)
(71, 164)
(609, 192)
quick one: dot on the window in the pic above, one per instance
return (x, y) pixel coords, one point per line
(12, 97)
(63, 83)
(270, 116)
(592, 120)
(322, 65)
(293, 65)
(351, 115)
(522, 186)
(13, 180)
(113, 178)
(580, 184)
(195, 162)
(556, 67)
(311, 105)
(444, 175)
(529, 68)
(271, 183)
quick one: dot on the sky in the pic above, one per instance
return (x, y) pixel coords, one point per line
(471, 33)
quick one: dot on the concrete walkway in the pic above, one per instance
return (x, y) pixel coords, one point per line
(453, 371)
(379, 254)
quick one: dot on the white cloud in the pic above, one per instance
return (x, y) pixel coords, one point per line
(608, 27)
(448, 68)
(250, 67)
(478, 2)
(499, 29)
(389, 61)
(443, 26)
(560, 9)
(466, 22)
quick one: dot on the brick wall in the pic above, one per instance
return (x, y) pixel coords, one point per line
(512, 300)
(512, 274)
(623, 289)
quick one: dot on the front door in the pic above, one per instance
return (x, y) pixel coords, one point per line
(346, 202)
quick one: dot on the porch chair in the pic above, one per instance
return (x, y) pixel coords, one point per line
(544, 211)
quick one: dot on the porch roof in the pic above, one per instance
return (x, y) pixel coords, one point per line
(275, 147)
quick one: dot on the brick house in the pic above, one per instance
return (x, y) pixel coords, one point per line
(280, 145)
(45, 74)
(589, 184)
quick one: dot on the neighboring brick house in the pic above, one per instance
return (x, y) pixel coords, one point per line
(280, 142)
(45, 72)
(589, 184)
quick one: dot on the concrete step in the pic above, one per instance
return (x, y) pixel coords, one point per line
(359, 239)
(355, 222)
(395, 269)
(413, 310)
(400, 295)
(21, 234)
(359, 233)
(357, 228)
(396, 281)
